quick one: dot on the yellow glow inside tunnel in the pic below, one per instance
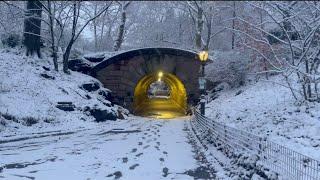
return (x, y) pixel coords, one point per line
(163, 108)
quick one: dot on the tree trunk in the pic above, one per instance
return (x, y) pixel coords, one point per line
(32, 27)
(66, 55)
(233, 25)
(308, 80)
(53, 45)
(120, 37)
(95, 30)
(209, 28)
(198, 38)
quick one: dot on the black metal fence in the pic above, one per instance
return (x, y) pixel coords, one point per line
(288, 163)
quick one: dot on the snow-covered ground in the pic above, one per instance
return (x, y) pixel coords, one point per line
(25, 93)
(268, 109)
(71, 145)
(137, 148)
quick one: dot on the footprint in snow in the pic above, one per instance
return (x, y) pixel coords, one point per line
(165, 152)
(124, 160)
(165, 172)
(133, 166)
(134, 150)
(157, 147)
(116, 175)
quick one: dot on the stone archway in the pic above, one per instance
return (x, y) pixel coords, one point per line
(122, 72)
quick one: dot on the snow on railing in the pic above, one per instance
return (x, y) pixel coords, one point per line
(287, 163)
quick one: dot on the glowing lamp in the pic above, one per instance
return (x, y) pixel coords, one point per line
(160, 74)
(203, 56)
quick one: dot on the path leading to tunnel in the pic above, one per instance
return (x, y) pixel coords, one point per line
(138, 148)
(160, 108)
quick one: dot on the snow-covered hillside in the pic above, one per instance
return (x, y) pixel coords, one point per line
(30, 90)
(268, 109)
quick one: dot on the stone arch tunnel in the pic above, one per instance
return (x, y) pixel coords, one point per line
(129, 75)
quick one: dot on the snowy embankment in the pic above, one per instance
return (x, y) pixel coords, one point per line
(268, 109)
(30, 90)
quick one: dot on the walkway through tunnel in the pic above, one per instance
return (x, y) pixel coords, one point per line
(164, 103)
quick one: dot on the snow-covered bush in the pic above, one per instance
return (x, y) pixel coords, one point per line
(9, 117)
(76, 53)
(228, 67)
(10, 40)
(29, 121)
(2, 122)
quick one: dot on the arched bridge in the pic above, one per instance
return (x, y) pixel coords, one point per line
(131, 74)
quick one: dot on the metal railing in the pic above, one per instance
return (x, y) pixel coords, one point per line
(287, 163)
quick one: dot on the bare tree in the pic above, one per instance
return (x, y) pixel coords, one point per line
(196, 11)
(123, 5)
(203, 14)
(293, 49)
(52, 35)
(75, 31)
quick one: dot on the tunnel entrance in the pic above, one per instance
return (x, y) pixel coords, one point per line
(160, 95)
(129, 75)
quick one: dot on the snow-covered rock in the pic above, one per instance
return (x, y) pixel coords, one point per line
(30, 90)
(80, 65)
(99, 56)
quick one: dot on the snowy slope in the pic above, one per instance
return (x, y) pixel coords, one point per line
(25, 93)
(269, 110)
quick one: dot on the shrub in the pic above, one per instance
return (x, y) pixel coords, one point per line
(75, 53)
(29, 121)
(228, 67)
(11, 40)
(9, 117)
(48, 120)
(3, 122)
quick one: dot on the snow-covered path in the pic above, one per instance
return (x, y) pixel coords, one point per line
(131, 149)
